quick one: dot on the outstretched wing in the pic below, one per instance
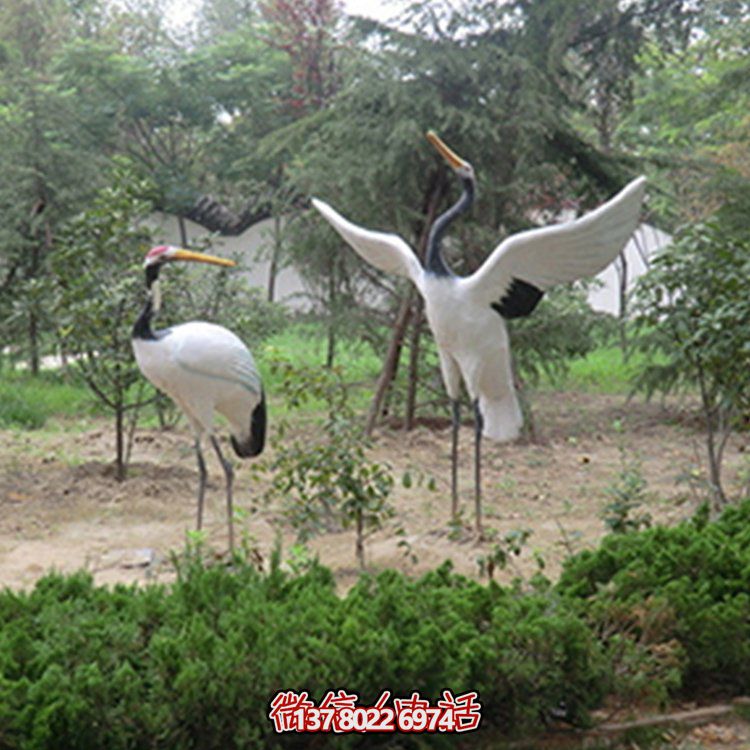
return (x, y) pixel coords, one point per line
(516, 275)
(388, 252)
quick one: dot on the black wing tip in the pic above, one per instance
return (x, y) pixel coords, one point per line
(519, 301)
(254, 445)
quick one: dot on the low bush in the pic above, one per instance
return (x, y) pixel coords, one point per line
(684, 589)
(195, 664)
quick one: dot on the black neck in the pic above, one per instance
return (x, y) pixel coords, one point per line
(142, 327)
(435, 262)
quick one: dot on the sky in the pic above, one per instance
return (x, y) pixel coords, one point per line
(181, 11)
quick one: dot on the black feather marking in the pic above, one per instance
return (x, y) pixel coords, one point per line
(519, 301)
(142, 327)
(253, 446)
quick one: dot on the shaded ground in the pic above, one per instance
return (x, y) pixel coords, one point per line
(62, 508)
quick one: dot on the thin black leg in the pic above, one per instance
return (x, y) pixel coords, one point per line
(202, 475)
(455, 424)
(478, 425)
(229, 474)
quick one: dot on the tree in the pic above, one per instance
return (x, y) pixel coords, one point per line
(330, 482)
(96, 283)
(695, 316)
(47, 164)
(689, 119)
(304, 30)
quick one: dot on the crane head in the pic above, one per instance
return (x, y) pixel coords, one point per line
(166, 253)
(461, 167)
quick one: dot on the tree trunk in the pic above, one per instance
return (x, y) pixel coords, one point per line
(360, 541)
(391, 361)
(434, 194)
(33, 331)
(120, 437)
(711, 412)
(273, 268)
(714, 466)
(332, 314)
(331, 345)
(183, 231)
(623, 294)
(414, 340)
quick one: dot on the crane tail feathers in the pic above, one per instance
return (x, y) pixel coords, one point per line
(255, 441)
(501, 418)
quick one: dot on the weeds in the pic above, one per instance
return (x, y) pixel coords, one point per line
(628, 493)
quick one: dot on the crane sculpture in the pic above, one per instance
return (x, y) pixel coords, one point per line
(467, 314)
(204, 368)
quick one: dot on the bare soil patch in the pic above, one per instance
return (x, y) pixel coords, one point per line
(62, 508)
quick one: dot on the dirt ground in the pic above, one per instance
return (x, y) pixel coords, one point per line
(63, 509)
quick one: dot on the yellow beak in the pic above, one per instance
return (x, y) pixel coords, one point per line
(445, 151)
(196, 257)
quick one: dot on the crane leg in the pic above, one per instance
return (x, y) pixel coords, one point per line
(229, 474)
(478, 426)
(455, 423)
(202, 476)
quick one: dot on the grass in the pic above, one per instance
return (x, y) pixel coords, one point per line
(604, 370)
(29, 402)
(304, 345)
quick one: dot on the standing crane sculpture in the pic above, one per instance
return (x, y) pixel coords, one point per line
(203, 368)
(467, 314)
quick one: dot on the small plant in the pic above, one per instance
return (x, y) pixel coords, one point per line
(406, 546)
(569, 540)
(502, 552)
(628, 493)
(329, 482)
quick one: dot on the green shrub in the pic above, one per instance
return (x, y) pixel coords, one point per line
(698, 571)
(16, 411)
(195, 664)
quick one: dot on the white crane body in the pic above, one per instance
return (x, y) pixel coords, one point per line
(473, 346)
(204, 368)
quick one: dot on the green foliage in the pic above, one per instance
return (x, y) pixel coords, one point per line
(562, 329)
(605, 369)
(95, 286)
(28, 402)
(694, 312)
(501, 553)
(16, 411)
(195, 664)
(48, 166)
(223, 298)
(690, 116)
(680, 591)
(628, 493)
(695, 316)
(328, 481)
